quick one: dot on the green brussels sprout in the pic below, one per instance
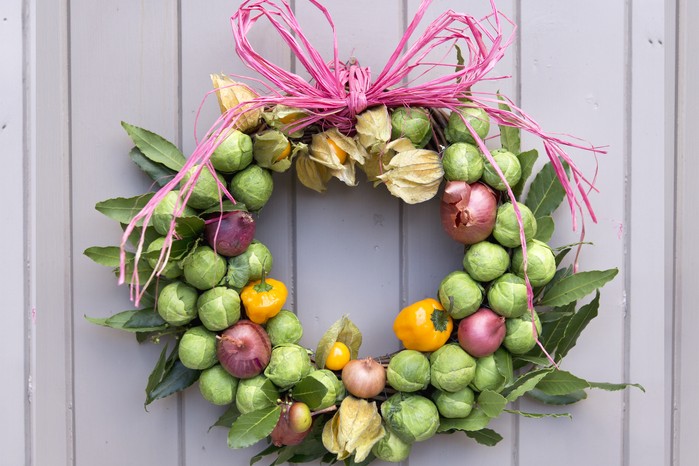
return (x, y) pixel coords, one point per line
(454, 404)
(541, 263)
(519, 337)
(163, 212)
(488, 377)
(412, 123)
(413, 418)
(204, 269)
(485, 261)
(252, 186)
(391, 448)
(507, 295)
(233, 154)
(255, 393)
(219, 308)
(408, 371)
(285, 327)
(248, 266)
(463, 162)
(506, 230)
(177, 303)
(510, 167)
(460, 295)
(456, 130)
(217, 386)
(288, 365)
(197, 348)
(206, 191)
(272, 150)
(336, 390)
(452, 368)
(172, 268)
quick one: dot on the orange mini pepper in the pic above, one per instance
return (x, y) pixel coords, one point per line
(423, 326)
(263, 299)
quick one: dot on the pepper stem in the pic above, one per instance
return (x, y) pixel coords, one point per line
(263, 286)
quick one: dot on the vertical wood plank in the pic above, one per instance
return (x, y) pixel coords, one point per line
(13, 423)
(573, 82)
(124, 65)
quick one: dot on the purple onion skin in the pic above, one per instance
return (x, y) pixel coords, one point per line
(244, 349)
(481, 333)
(236, 231)
(468, 211)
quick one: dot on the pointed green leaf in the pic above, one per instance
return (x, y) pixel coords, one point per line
(135, 236)
(509, 135)
(557, 313)
(492, 403)
(544, 228)
(552, 330)
(156, 374)
(545, 193)
(311, 391)
(252, 427)
(267, 451)
(144, 272)
(178, 250)
(561, 255)
(175, 380)
(486, 437)
(157, 171)
(526, 160)
(613, 387)
(538, 415)
(343, 331)
(155, 147)
(557, 400)
(525, 383)
(227, 418)
(503, 363)
(225, 206)
(576, 324)
(189, 227)
(576, 286)
(477, 420)
(522, 360)
(118, 321)
(123, 209)
(145, 319)
(108, 255)
(561, 383)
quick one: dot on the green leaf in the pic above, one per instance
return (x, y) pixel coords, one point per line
(174, 380)
(311, 391)
(135, 236)
(524, 359)
(225, 206)
(269, 391)
(486, 437)
(156, 374)
(552, 332)
(144, 272)
(189, 227)
(492, 403)
(560, 382)
(525, 383)
(557, 314)
(108, 255)
(252, 427)
(227, 418)
(576, 324)
(545, 193)
(509, 135)
(526, 160)
(145, 319)
(477, 420)
(267, 451)
(613, 387)
(576, 286)
(178, 250)
(155, 147)
(538, 415)
(157, 171)
(544, 228)
(123, 209)
(503, 363)
(343, 331)
(119, 321)
(557, 400)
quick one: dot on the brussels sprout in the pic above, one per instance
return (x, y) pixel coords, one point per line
(391, 448)
(206, 191)
(248, 266)
(177, 303)
(255, 393)
(541, 263)
(463, 162)
(272, 150)
(412, 123)
(252, 186)
(219, 308)
(456, 130)
(197, 348)
(506, 230)
(163, 212)
(284, 328)
(510, 167)
(488, 377)
(204, 269)
(486, 261)
(454, 404)
(519, 337)
(217, 386)
(172, 268)
(507, 295)
(233, 154)
(336, 390)
(408, 371)
(452, 368)
(413, 418)
(460, 295)
(289, 364)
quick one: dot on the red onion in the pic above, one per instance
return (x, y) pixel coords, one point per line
(468, 211)
(231, 233)
(364, 378)
(481, 333)
(244, 349)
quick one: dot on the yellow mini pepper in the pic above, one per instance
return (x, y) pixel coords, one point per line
(263, 299)
(423, 326)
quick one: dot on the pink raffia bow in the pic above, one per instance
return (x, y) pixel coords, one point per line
(337, 91)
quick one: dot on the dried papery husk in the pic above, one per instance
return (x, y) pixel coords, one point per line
(311, 174)
(414, 175)
(230, 95)
(355, 428)
(374, 129)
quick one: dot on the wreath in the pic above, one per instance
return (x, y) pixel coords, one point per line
(495, 331)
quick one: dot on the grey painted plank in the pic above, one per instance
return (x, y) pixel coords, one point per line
(13, 391)
(124, 63)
